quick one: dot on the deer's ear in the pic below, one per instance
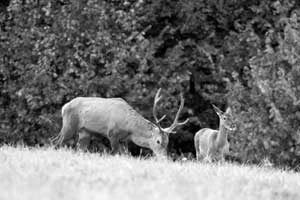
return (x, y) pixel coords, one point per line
(217, 110)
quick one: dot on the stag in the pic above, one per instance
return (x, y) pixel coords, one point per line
(116, 120)
(212, 145)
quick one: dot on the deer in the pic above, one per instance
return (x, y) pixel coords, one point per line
(212, 145)
(116, 120)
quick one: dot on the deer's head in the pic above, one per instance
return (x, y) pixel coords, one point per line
(160, 139)
(226, 118)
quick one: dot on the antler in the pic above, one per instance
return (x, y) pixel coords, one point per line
(156, 100)
(176, 123)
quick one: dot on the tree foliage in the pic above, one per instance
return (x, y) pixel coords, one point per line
(243, 54)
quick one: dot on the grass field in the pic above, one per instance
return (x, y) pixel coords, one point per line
(64, 174)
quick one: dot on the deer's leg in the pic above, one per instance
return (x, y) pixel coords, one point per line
(84, 140)
(124, 138)
(68, 130)
(221, 157)
(209, 155)
(116, 139)
(208, 159)
(225, 152)
(115, 145)
(197, 148)
(200, 156)
(124, 147)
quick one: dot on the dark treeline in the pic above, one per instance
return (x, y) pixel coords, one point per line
(239, 53)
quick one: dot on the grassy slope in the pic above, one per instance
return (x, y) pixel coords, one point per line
(63, 174)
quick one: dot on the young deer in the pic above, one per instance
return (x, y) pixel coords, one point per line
(212, 144)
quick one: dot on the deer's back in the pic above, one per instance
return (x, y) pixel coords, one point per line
(98, 114)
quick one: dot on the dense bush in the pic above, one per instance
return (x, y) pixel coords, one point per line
(243, 54)
(270, 103)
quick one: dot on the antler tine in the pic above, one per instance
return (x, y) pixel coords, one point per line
(157, 96)
(156, 100)
(176, 123)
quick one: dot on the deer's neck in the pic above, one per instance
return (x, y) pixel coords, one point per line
(222, 137)
(142, 134)
(141, 127)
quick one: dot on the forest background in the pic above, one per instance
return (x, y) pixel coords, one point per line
(239, 53)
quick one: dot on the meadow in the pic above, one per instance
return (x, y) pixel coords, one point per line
(46, 173)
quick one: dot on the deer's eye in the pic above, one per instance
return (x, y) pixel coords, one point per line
(224, 118)
(158, 141)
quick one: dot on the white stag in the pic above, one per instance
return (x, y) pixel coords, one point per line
(212, 145)
(116, 120)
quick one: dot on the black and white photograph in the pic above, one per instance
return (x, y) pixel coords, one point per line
(149, 99)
